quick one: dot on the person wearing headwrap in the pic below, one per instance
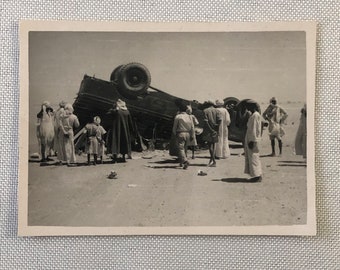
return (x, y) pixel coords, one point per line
(183, 131)
(45, 130)
(276, 117)
(301, 135)
(212, 121)
(59, 134)
(251, 145)
(122, 129)
(94, 140)
(68, 122)
(222, 146)
(193, 142)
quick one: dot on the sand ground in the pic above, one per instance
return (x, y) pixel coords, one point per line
(152, 190)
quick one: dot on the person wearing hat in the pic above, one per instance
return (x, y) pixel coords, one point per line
(276, 116)
(251, 145)
(122, 129)
(222, 146)
(212, 121)
(68, 122)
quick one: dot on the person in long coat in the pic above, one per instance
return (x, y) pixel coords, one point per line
(45, 130)
(276, 116)
(301, 135)
(251, 146)
(122, 130)
(59, 134)
(68, 122)
(212, 120)
(222, 146)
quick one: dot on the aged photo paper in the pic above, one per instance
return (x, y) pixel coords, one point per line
(166, 128)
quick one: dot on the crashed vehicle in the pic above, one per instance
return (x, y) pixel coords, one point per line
(152, 109)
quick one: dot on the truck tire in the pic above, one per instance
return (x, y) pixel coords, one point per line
(133, 80)
(115, 74)
(230, 102)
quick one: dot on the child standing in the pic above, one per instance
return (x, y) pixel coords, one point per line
(95, 143)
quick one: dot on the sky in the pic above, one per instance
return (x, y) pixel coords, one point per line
(194, 66)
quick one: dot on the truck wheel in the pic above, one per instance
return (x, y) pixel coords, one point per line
(133, 80)
(115, 74)
(230, 102)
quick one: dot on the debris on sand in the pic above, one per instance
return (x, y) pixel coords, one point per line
(201, 173)
(112, 175)
(132, 185)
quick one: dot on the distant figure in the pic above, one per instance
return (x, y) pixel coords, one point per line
(251, 145)
(183, 130)
(59, 134)
(276, 116)
(193, 142)
(45, 130)
(94, 140)
(222, 146)
(301, 135)
(212, 121)
(68, 122)
(122, 128)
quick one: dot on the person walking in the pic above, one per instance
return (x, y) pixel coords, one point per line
(276, 116)
(222, 145)
(183, 130)
(68, 122)
(212, 121)
(301, 135)
(251, 145)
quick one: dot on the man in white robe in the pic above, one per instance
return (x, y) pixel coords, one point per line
(251, 146)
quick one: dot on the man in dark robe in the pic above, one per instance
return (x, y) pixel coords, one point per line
(122, 128)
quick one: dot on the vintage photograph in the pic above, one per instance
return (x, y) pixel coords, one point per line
(142, 128)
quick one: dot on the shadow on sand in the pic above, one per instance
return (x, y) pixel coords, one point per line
(233, 180)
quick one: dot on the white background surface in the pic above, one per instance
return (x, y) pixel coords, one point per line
(176, 252)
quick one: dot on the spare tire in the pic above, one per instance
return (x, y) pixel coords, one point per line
(115, 74)
(133, 80)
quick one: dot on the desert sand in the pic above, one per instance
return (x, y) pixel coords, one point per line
(152, 190)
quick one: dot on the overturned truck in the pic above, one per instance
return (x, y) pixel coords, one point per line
(152, 109)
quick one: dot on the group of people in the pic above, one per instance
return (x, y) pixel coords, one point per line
(55, 133)
(216, 121)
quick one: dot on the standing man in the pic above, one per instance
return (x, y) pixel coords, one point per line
(212, 121)
(222, 146)
(45, 130)
(122, 128)
(301, 135)
(68, 122)
(276, 116)
(251, 145)
(183, 130)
